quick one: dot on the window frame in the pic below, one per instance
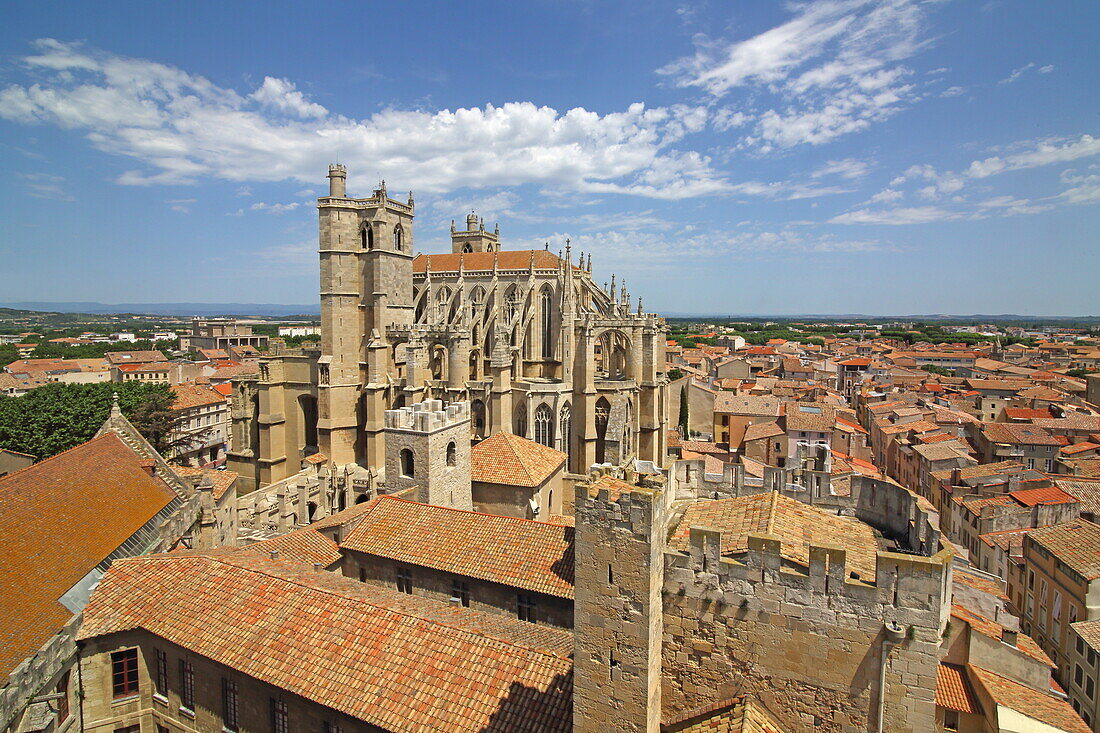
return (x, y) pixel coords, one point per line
(125, 681)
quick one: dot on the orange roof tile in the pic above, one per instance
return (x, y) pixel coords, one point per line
(396, 661)
(1044, 495)
(504, 260)
(304, 545)
(992, 629)
(189, 396)
(1034, 704)
(509, 459)
(953, 690)
(517, 552)
(54, 529)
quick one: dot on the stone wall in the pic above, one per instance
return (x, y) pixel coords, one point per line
(439, 440)
(438, 585)
(808, 643)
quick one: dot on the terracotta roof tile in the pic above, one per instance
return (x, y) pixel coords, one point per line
(992, 629)
(396, 661)
(59, 519)
(304, 545)
(1026, 701)
(953, 690)
(189, 396)
(797, 525)
(516, 552)
(1076, 543)
(1045, 495)
(480, 261)
(222, 480)
(514, 461)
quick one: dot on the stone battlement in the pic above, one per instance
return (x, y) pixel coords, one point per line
(908, 589)
(428, 416)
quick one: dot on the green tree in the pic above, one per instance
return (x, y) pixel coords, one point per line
(57, 417)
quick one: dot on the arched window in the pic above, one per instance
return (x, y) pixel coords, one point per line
(366, 235)
(397, 238)
(452, 453)
(544, 426)
(513, 302)
(475, 365)
(520, 424)
(478, 410)
(467, 248)
(603, 413)
(546, 302)
(442, 304)
(408, 469)
(565, 433)
(477, 301)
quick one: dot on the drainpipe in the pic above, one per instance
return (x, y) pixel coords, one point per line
(892, 636)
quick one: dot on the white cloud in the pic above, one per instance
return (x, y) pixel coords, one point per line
(182, 127)
(834, 68)
(1037, 153)
(274, 208)
(45, 186)
(887, 196)
(849, 168)
(282, 95)
(1046, 69)
(898, 216)
(1017, 73)
(183, 206)
(952, 91)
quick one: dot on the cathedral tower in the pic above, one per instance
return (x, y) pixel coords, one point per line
(366, 250)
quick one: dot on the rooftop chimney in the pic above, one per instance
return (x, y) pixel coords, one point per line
(274, 555)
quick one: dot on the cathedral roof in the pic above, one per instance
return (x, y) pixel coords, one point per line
(480, 261)
(397, 661)
(54, 531)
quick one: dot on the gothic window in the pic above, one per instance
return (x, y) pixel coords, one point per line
(408, 469)
(452, 454)
(442, 302)
(513, 302)
(475, 363)
(322, 374)
(544, 426)
(477, 300)
(563, 427)
(366, 236)
(478, 410)
(603, 413)
(397, 238)
(467, 248)
(521, 421)
(546, 301)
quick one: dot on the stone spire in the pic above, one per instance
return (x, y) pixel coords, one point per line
(115, 410)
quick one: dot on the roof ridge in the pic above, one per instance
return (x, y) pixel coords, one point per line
(226, 560)
(469, 511)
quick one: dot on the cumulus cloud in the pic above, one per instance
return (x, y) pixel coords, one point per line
(834, 69)
(181, 128)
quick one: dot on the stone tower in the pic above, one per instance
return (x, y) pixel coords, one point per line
(428, 450)
(617, 612)
(366, 249)
(474, 238)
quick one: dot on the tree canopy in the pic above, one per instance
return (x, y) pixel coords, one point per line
(56, 417)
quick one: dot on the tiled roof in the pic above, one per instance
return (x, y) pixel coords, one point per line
(763, 430)
(992, 629)
(987, 585)
(221, 480)
(1076, 543)
(395, 661)
(942, 451)
(189, 396)
(1089, 631)
(740, 715)
(1072, 421)
(133, 357)
(304, 545)
(738, 404)
(1071, 450)
(797, 525)
(1025, 413)
(516, 552)
(509, 459)
(801, 416)
(504, 260)
(1085, 491)
(1018, 434)
(59, 519)
(953, 690)
(1009, 540)
(1044, 495)
(1026, 701)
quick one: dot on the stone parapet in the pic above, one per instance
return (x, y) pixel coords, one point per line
(428, 416)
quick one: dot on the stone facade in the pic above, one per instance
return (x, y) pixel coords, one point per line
(428, 452)
(661, 632)
(527, 338)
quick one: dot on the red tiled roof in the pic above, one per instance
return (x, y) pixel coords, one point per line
(509, 459)
(517, 552)
(953, 690)
(304, 545)
(59, 519)
(189, 396)
(1044, 495)
(221, 480)
(1032, 703)
(396, 661)
(504, 260)
(992, 629)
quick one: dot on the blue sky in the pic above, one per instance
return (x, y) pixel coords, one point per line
(902, 156)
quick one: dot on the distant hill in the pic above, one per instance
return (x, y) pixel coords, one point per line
(169, 309)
